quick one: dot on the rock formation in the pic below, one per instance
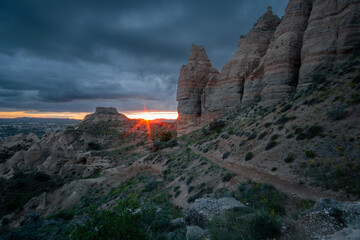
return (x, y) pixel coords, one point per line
(192, 80)
(104, 114)
(226, 91)
(276, 58)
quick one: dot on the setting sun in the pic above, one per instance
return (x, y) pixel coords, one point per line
(152, 115)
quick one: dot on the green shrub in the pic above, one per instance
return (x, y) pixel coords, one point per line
(310, 154)
(337, 113)
(318, 78)
(274, 137)
(226, 155)
(217, 126)
(249, 156)
(262, 135)
(252, 136)
(270, 145)
(268, 124)
(166, 136)
(236, 225)
(289, 158)
(227, 177)
(286, 108)
(262, 196)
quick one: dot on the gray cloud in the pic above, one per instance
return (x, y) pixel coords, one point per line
(76, 55)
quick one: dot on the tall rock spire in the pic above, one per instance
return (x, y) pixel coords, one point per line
(192, 80)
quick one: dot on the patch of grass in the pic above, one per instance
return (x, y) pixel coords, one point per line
(284, 119)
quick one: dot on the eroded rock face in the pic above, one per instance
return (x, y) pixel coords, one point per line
(332, 35)
(192, 80)
(105, 114)
(282, 60)
(227, 90)
(274, 59)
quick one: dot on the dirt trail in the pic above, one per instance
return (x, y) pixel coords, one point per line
(288, 187)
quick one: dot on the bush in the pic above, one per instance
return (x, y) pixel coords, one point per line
(284, 119)
(227, 177)
(270, 145)
(274, 137)
(286, 108)
(226, 155)
(249, 156)
(337, 113)
(252, 136)
(166, 136)
(318, 78)
(262, 135)
(217, 126)
(262, 196)
(93, 146)
(289, 158)
(244, 226)
(310, 154)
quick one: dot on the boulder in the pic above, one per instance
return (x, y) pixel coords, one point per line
(194, 232)
(204, 209)
(346, 212)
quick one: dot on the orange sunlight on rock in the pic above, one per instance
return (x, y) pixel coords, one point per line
(152, 115)
(35, 114)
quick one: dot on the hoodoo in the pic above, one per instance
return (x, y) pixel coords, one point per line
(276, 58)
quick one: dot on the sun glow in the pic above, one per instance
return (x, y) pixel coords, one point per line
(36, 114)
(152, 115)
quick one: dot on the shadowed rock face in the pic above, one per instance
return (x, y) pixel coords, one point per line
(226, 91)
(332, 35)
(192, 80)
(276, 58)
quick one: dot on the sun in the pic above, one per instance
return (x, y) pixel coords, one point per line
(152, 115)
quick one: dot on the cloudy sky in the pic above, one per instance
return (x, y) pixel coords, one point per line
(74, 55)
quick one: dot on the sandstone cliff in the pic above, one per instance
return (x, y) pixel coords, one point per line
(276, 58)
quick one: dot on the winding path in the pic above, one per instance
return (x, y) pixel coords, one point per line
(286, 186)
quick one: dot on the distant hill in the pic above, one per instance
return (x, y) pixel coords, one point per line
(42, 120)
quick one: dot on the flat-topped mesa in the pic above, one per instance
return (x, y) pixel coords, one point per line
(192, 80)
(226, 91)
(105, 114)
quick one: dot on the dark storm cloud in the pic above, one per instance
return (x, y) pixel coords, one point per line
(75, 55)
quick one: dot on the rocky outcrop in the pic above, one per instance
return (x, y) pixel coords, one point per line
(226, 91)
(192, 80)
(282, 60)
(204, 209)
(105, 114)
(275, 59)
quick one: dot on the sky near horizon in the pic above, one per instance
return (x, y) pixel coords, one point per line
(74, 55)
